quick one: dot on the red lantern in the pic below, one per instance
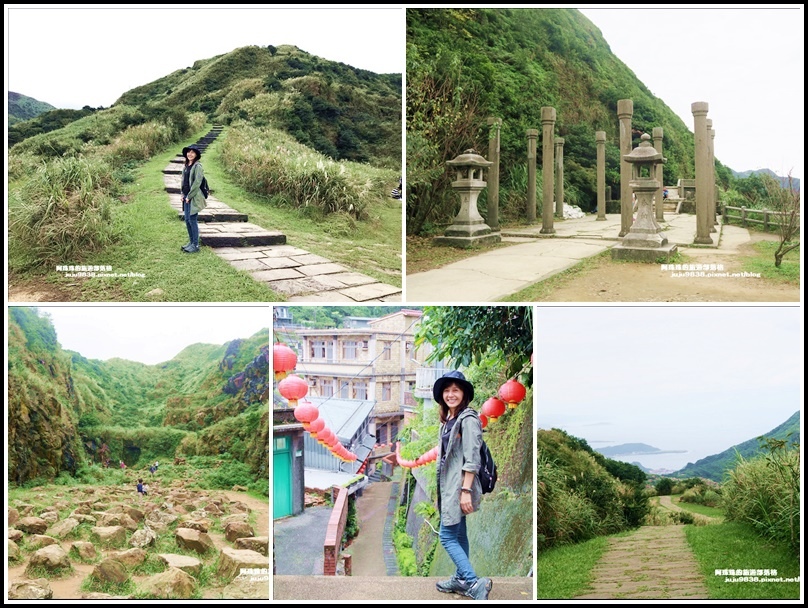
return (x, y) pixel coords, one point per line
(324, 436)
(293, 388)
(493, 409)
(316, 426)
(484, 420)
(512, 392)
(284, 360)
(306, 413)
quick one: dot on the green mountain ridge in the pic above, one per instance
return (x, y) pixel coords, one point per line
(714, 467)
(63, 407)
(22, 107)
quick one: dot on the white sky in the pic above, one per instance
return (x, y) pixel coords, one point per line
(746, 63)
(151, 334)
(700, 379)
(86, 55)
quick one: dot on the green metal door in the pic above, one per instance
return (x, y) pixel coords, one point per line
(282, 477)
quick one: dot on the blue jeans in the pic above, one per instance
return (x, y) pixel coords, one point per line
(191, 224)
(456, 542)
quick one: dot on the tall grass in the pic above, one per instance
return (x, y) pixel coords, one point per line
(64, 211)
(268, 162)
(765, 492)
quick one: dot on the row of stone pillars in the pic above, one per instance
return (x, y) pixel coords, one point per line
(469, 228)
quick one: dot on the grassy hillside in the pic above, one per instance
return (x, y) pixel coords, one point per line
(63, 407)
(716, 466)
(466, 64)
(21, 107)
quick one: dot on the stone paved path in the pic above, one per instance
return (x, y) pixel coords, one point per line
(367, 549)
(264, 254)
(655, 562)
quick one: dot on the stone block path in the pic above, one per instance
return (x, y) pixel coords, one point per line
(653, 563)
(295, 273)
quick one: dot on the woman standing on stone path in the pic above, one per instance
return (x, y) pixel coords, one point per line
(459, 489)
(193, 201)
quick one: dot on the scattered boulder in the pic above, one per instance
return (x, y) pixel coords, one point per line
(15, 535)
(84, 550)
(13, 550)
(136, 514)
(188, 564)
(213, 509)
(13, 516)
(193, 540)
(237, 529)
(234, 517)
(37, 589)
(82, 509)
(248, 588)
(51, 558)
(83, 519)
(259, 544)
(24, 508)
(131, 557)
(203, 525)
(110, 570)
(143, 538)
(233, 561)
(37, 541)
(32, 525)
(62, 528)
(110, 536)
(118, 519)
(240, 489)
(49, 516)
(239, 506)
(171, 584)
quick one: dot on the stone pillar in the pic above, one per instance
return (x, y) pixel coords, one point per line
(713, 191)
(600, 142)
(625, 110)
(548, 118)
(659, 206)
(493, 174)
(559, 176)
(532, 134)
(701, 137)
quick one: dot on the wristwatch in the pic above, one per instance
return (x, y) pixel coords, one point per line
(466, 490)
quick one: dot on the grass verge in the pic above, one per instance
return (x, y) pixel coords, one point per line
(700, 509)
(566, 572)
(763, 263)
(736, 546)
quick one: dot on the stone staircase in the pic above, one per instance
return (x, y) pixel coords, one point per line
(293, 272)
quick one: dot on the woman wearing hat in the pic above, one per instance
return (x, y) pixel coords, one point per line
(459, 490)
(193, 201)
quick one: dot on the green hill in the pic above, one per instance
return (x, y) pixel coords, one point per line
(63, 407)
(21, 107)
(466, 64)
(714, 467)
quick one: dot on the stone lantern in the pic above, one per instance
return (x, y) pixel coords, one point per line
(643, 241)
(468, 228)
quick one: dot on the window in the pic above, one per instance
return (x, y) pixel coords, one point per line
(393, 430)
(344, 389)
(387, 391)
(388, 351)
(318, 349)
(349, 349)
(327, 388)
(360, 390)
(381, 435)
(329, 350)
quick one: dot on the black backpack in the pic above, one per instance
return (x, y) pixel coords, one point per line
(488, 469)
(203, 187)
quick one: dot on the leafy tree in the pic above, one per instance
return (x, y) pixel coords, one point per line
(468, 334)
(664, 486)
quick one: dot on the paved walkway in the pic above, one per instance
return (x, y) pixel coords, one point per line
(534, 257)
(264, 254)
(370, 551)
(298, 542)
(653, 563)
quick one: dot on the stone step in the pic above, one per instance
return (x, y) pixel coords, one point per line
(241, 234)
(217, 215)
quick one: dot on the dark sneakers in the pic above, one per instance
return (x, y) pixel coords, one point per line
(453, 585)
(191, 249)
(478, 590)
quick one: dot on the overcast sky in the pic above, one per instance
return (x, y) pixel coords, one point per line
(88, 55)
(746, 63)
(152, 334)
(700, 379)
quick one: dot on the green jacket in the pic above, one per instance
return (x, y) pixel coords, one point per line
(462, 454)
(198, 202)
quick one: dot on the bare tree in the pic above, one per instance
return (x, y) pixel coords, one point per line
(785, 201)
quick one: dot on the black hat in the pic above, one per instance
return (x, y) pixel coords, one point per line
(194, 148)
(448, 378)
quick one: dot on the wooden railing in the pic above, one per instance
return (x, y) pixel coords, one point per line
(770, 219)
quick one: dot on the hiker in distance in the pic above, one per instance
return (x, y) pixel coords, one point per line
(193, 201)
(459, 489)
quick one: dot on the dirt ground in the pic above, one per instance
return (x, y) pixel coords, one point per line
(638, 282)
(70, 587)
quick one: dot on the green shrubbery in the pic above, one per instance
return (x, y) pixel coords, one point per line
(765, 493)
